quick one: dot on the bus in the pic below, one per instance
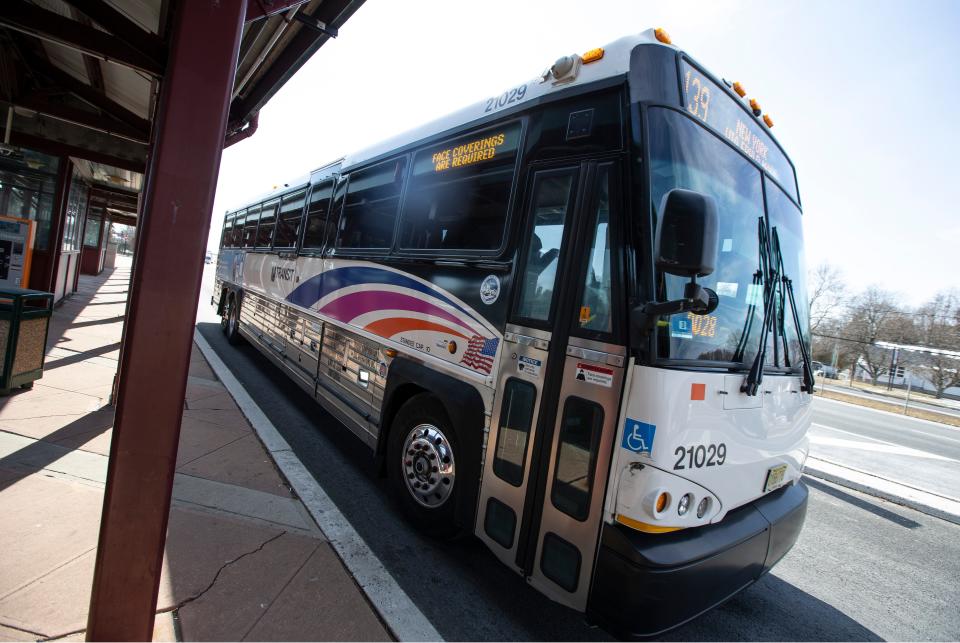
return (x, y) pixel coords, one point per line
(569, 319)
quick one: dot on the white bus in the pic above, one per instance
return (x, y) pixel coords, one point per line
(570, 319)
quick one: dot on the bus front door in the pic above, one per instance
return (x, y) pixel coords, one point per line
(560, 383)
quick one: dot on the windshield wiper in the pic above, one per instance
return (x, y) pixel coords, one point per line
(808, 381)
(771, 313)
(758, 281)
(772, 275)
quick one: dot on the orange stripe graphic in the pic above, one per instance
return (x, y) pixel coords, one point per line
(393, 325)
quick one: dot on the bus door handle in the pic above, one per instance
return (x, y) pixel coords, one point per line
(595, 356)
(526, 340)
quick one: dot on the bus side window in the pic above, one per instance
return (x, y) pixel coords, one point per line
(268, 219)
(313, 233)
(370, 210)
(227, 231)
(236, 238)
(288, 223)
(458, 199)
(551, 202)
(250, 227)
(594, 313)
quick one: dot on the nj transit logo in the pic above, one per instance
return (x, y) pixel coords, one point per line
(638, 437)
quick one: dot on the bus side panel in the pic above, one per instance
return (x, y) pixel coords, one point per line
(406, 311)
(330, 323)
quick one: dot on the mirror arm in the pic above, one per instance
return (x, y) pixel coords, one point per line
(696, 299)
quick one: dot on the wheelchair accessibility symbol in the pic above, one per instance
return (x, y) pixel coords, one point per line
(638, 436)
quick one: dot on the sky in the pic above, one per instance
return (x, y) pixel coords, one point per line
(865, 98)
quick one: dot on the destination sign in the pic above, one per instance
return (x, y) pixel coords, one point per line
(708, 102)
(497, 144)
(482, 149)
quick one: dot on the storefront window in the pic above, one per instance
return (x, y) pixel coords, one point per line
(27, 185)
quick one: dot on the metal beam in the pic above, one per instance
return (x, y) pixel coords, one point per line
(303, 45)
(257, 9)
(82, 117)
(122, 27)
(158, 335)
(91, 64)
(42, 142)
(31, 19)
(56, 76)
(122, 219)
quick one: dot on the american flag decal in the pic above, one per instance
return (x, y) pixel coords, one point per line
(480, 353)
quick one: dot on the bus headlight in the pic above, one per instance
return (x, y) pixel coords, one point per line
(684, 504)
(703, 507)
(647, 496)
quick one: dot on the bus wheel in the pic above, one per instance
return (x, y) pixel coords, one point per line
(422, 456)
(230, 320)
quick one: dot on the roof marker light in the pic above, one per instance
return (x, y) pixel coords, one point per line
(592, 56)
(768, 120)
(662, 36)
(755, 106)
(741, 92)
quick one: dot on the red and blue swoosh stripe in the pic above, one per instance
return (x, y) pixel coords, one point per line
(423, 300)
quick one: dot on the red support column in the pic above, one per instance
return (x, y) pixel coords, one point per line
(180, 184)
(58, 221)
(83, 231)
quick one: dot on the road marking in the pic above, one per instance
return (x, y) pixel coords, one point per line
(924, 453)
(875, 447)
(917, 431)
(397, 610)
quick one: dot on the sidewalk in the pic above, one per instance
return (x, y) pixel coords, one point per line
(244, 560)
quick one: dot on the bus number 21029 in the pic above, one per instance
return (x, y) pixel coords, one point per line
(712, 455)
(504, 99)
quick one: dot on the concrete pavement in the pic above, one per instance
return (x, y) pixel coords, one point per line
(244, 559)
(905, 460)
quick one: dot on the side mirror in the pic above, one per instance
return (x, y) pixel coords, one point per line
(686, 242)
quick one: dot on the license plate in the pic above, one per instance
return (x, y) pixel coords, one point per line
(774, 478)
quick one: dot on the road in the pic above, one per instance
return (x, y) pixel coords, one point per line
(932, 437)
(916, 453)
(862, 570)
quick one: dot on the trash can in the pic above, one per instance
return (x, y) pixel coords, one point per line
(24, 322)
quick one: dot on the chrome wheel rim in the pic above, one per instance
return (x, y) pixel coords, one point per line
(428, 466)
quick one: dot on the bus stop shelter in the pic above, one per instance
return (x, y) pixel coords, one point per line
(119, 111)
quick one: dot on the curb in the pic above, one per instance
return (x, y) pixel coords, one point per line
(923, 501)
(402, 617)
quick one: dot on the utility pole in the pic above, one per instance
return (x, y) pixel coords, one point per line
(893, 367)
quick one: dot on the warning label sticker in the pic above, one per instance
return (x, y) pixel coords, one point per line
(598, 375)
(529, 365)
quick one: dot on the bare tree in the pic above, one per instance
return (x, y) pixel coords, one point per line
(873, 316)
(827, 294)
(938, 327)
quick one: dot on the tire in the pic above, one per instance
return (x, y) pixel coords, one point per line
(423, 450)
(230, 320)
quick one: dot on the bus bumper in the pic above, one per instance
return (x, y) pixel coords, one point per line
(646, 584)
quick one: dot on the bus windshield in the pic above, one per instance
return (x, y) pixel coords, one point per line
(786, 224)
(685, 155)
